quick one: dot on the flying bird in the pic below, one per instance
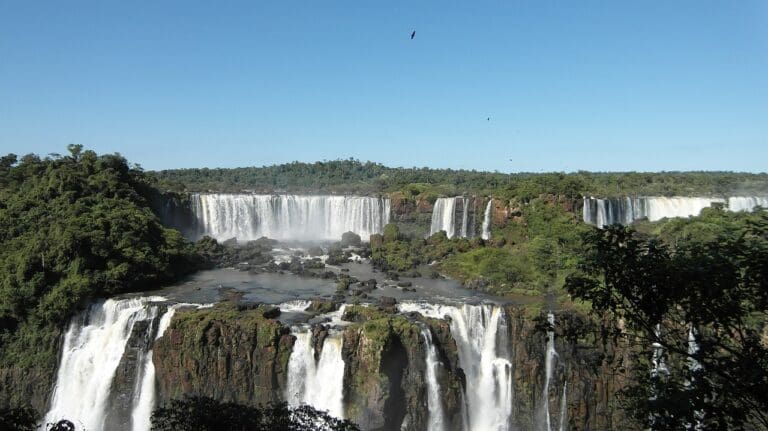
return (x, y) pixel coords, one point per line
(413, 34)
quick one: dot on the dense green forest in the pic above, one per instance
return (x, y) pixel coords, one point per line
(73, 228)
(353, 176)
(690, 294)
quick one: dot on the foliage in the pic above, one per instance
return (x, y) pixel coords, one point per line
(206, 414)
(18, 419)
(25, 419)
(353, 176)
(72, 228)
(695, 299)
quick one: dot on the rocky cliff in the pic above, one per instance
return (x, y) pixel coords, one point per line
(240, 355)
(229, 353)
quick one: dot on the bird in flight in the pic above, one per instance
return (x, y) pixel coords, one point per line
(413, 34)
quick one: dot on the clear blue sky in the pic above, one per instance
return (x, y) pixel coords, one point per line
(568, 85)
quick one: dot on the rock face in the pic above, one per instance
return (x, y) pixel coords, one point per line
(585, 372)
(412, 215)
(123, 383)
(386, 373)
(223, 353)
(242, 356)
(31, 384)
(26, 386)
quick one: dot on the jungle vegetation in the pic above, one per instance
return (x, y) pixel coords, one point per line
(693, 299)
(353, 176)
(74, 228)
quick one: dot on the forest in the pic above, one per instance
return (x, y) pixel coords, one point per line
(352, 176)
(74, 228)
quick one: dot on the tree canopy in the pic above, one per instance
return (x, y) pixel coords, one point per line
(353, 176)
(206, 414)
(693, 302)
(73, 228)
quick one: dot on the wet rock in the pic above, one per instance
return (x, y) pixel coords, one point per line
(315, 251)
(387, 301)
(404, 284)
(350, 239)
(223, 354)
(322, 306)
(271, 313)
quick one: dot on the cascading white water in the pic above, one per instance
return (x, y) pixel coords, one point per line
(487, 220)
(288, 217)
(444, 217)
(434, 403)
(479, 334)
(564, 409)
(93, 347)
(545, 421)
(604, 212)
(145, 391)
(320, 383)
(747, 203)
(464, 233)
(294, 306)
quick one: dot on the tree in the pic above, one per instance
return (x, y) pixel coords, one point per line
(206, 414)
(694, 309)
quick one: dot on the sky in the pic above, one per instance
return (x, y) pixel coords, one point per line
(500, 85)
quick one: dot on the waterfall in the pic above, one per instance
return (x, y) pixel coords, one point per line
(96, 346)
(604, 212)
(92, 351)
(145, 390)
(434, 402)
(564, 408)
(318, 383)
(444, 217)
(747, 203)
(545, 421)
(481, 338)
(487, 220)
(294, 306)
(288, 217)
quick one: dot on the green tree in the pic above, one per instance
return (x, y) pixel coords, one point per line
(206, 414)
(697, 304)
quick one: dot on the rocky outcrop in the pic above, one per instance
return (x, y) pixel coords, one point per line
(386, 372)
(128, 371)
(412, 215)
(26, 386)
(30, 383)
(239, 355)
(223, 353)
(585, 372)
